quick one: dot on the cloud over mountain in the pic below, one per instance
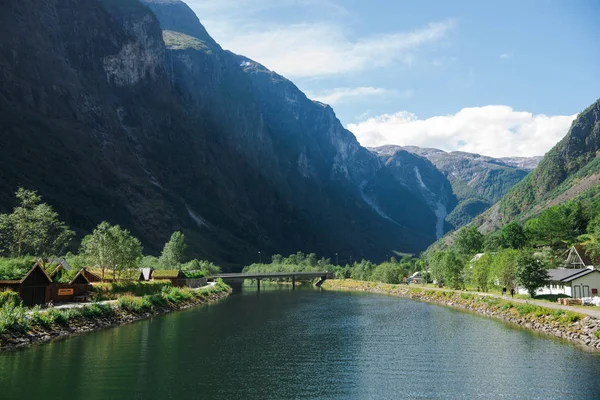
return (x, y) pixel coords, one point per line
(498, 131)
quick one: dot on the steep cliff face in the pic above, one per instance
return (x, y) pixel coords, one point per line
(128, 112)
(90, 119)
(331, 184)
(422, 178)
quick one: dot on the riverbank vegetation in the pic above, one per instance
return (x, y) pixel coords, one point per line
(34, 232)
(151, 298)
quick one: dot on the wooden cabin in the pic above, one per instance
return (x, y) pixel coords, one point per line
(34, 288)
(67, 292)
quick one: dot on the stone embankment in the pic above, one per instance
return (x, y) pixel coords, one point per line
(568, 325)
(110, 316)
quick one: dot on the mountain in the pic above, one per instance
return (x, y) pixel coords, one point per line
(423, 179)
(130, 112)
(570, 170)
(477, 181)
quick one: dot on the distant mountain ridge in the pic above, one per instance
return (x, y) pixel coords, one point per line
(477, 181)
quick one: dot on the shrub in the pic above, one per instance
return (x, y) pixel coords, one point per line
(194, 274)
(96, 310)
(13, 317)
(597, 334)
(40, 318)
(176, 295)
(526, 308)
(134, 304)
(570, 317)
(107, 291)
(58, 316)
(9, 297)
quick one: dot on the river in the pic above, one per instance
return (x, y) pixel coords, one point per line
(304, 344)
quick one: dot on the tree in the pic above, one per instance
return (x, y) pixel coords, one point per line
(469, 240)
(577, 219)
(513, 235)
(504, 267)
(552, 225)
(480, 273)
(446, 267)
(201, 265)
(531, 273)
(387, 272)
(436, 267)
(111, 247)
(453, 268)
(33, 227)
(493, 242)
(173, 253)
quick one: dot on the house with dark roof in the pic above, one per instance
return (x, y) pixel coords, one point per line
(578, 258)
(573, 282)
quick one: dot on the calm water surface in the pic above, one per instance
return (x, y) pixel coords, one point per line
(305, 344)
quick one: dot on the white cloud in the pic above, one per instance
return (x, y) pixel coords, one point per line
(323, 48)
(497, 131)
(342, 95)
(504, 56)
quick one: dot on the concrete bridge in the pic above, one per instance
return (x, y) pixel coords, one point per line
(276, 275)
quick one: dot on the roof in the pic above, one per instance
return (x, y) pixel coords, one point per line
(166, 274)
(37, 265)
(146, 273)
(62, 262)
(477, 257)
(568, 274)
(580, 249)
(81, 273)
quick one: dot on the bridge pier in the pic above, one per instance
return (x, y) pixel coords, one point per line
(258, 283)
(294, 282)
(320, 281)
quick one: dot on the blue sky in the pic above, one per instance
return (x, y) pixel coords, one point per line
(495, 77)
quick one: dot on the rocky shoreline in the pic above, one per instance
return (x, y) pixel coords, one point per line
(574, 327)
(15, 340)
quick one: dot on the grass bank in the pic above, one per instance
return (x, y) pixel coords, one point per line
(572, 326)
(20, 326)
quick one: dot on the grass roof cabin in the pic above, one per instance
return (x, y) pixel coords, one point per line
(176, 276)
(67, 291)
(34, 287)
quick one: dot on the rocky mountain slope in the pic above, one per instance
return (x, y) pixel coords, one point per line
(569, 171)
(128, 112)
(477, 181)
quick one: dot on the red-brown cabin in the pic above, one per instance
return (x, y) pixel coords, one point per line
(34, 288)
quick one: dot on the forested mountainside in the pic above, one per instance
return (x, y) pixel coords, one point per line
(476, 181)
(132, 113)
(569, 174)
(567, 171)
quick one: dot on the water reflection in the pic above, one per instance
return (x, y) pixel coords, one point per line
(304, 344)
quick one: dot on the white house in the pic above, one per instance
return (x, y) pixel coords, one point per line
(579, 279)
(417, 277)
